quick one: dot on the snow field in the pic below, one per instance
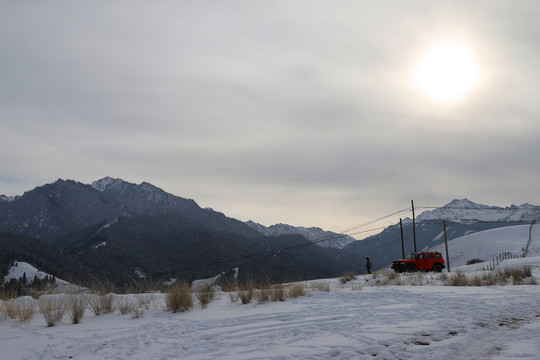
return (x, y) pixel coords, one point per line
(358, 320)
(366, 318)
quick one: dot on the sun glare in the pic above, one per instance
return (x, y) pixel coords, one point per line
(447, 72)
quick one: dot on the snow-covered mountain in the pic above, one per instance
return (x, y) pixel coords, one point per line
(321, 237)
(4, 198)
(464, 210)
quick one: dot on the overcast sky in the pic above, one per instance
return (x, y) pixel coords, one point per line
(299, 112)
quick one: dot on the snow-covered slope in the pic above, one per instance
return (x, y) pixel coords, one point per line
(322, 237)
(21, 268)
(487, 245)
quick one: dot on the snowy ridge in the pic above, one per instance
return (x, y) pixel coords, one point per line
(465, 210)
(335, 240)
(108, 183)
(4, 198)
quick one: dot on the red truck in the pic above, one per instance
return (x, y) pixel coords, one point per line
(425, 261)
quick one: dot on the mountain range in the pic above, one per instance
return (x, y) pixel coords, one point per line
(121, 230)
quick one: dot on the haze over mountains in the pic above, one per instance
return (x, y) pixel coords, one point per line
(120, 229)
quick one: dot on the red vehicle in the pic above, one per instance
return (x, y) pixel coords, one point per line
(425, 261)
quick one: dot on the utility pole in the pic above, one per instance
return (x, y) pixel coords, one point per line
(402, 244)
(413, 226)
(446, 246)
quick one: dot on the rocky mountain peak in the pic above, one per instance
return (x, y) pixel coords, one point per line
(108, 183)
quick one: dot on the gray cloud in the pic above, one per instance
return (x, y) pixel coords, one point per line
(297, 112)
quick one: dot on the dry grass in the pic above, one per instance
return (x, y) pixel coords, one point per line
(457, 279)
(77, 307)
(277, 293)
(145, 286)
(205, 294)
(320, 286)
(348, 276)
(263, 295)
(7, 294)
(297, 290)
(102, 304)
(53, 308)
(179, 298)
(132, 306)
(517, 276)
(3, 314)
(245, 292)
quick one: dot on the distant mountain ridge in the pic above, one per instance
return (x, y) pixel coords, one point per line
(461, 210)
(115, 227)
(120, 229)
(315, 234)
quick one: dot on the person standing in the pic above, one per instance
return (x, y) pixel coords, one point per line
(368, 265)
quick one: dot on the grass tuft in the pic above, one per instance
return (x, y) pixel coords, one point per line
(179, 298)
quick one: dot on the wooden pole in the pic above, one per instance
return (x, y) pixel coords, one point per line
(446, 246)
(402, 244)
(413, 226)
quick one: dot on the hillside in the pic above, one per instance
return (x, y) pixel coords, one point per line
(489, 244)
(118, 230)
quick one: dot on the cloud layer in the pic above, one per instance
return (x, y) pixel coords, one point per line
(298, 112)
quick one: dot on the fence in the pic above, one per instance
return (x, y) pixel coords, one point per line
(503, 256)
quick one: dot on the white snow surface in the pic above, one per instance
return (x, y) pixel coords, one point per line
(20, 268)
(351, 321)
(357, 320)
(486, 245)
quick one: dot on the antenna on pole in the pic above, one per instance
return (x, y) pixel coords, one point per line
(413, 226)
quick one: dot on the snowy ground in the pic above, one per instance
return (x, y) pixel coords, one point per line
(349, 322)
(358, 320)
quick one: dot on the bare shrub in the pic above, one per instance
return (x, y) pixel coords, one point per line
(277, 293)
(102, 304)
(135, 311)
(53, 308)
(12, 309)
(357, 287)
(474, 261)
(205, 294)
(297, 290)
(458, 279)
(443, 276)
(245, 292)
(391, 274)
(347, 276)
(145, 286)
(123, 306)
(77, 307)
(320, 286)
(26, 310)
(8, 294)
(233, 296)
(179, 298)
(263, 295)
(518, 274)
(476, 281)
(3, 314)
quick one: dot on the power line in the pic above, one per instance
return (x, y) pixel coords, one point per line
(280, 251)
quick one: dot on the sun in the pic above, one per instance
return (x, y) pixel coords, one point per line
(446, 72)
